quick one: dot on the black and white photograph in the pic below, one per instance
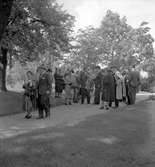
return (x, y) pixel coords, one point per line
(77, 83)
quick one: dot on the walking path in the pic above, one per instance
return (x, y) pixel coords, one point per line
(60, 116)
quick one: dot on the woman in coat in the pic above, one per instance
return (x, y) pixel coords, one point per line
(119, 87)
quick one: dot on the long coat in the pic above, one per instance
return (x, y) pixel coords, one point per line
(108, 88)
(68, 84)
(111, 86)
(59, 83)
(119, 87)
(44, 89)
(133, 83)
(82, 79)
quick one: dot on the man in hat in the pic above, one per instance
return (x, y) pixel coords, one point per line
(133, 84)
(44, 92)
(98, 82)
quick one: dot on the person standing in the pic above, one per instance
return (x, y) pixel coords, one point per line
(133, 84)
(29, 94)
(83, 77)
(44, 92)
(59, 83)
(68, 87)
(125, 86)
(111, 87)
(89, 87)
(74, 86)
(105, 89)
(118, 86)
(97, 82)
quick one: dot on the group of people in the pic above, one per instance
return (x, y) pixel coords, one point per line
(108, 86)
(37, 92)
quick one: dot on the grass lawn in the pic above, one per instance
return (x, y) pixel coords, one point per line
(11, 102)
(114, 139)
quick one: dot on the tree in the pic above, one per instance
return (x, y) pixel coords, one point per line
(86, 52)
(125, 45)
(5, 10)
(115, 43)
(34, 28)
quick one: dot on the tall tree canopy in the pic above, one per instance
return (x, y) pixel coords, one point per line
(34, 28)
(5, 10)
(114, 43)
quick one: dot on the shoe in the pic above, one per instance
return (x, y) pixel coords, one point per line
(70, 103)
(101, 108)
(28, 116)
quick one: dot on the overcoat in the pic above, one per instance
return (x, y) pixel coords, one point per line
(119, 87)
(108, 88)
(44, 89)
(59, 83)
(133, 84)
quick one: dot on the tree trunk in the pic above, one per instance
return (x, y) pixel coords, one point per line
(5, 10)
(4, 52)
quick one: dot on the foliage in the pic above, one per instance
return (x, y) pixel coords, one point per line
(17, 73)
(5, 10)
(114, 43)
(33, 29)
(37, 26)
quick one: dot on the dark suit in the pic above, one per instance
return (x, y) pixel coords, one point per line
(133, 84)
(82, 81)
(98, 85)
(44, 92)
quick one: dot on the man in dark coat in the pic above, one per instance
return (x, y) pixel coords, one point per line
(111, 87)
(44, 92)
(98, 82)
(59, 83)
(105, 89)
(133, 84)
(82, 80)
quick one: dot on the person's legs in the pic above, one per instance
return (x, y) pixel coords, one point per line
(107, 105)
(70, 101)
(116, 103)
(110, 103)
(132, 95)
(88, 96)
(116, 100)
(97, 96)
(47, 111)
(40, 107)
(82, 95)
(74, 95)
(28, 107)
(47, 106)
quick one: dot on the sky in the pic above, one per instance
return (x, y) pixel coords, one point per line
(91, 12)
